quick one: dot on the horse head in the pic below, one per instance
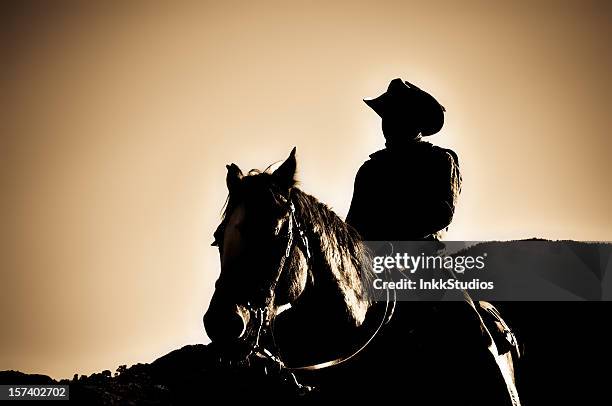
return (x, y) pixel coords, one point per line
(263, 259)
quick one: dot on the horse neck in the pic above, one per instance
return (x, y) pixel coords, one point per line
(327, 317)
(335, 266)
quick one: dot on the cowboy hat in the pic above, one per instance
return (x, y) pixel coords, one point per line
(403, 97)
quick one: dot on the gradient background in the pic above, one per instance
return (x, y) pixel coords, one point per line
(117, 122)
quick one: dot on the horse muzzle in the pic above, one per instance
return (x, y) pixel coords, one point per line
(226, 324)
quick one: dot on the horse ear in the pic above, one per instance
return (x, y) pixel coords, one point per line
(234, 175)
(286, 172)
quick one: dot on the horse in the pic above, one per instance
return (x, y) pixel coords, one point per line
(292, 296)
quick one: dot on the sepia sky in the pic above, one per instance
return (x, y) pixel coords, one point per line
(117, 122)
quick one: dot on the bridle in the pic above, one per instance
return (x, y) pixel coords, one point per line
(263, 328)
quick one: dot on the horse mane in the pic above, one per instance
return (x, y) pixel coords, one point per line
(341, 248)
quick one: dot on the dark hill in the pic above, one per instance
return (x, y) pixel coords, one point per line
(562, 342)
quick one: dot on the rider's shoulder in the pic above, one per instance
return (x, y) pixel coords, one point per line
(375, 160)
(446, 154)
(378, 155)
(453, 155)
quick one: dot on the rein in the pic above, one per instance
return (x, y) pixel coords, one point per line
(265, 322)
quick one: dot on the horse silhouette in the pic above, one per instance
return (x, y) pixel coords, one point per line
(291, 303)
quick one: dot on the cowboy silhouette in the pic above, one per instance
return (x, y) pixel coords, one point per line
(408, 190)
